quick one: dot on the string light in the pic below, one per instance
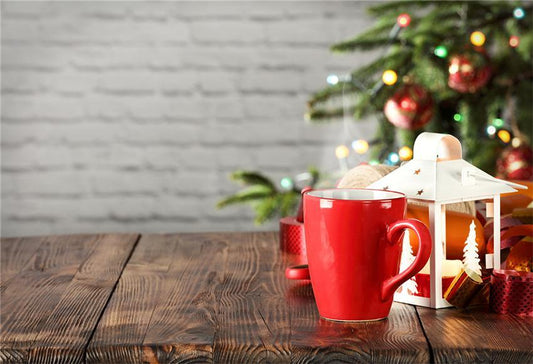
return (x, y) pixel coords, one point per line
(332, 79)
(403, 20)
(504, 135)
(514, 41)
(458, 117)
(491, 130)
(389, 77)
(373, 162)
(498, 122)
(441, 51)
(477, 38)
(342, 151)
(516, 142)
(360, 146)
(394, 157)
(405, 153)
(286, 183)
(519, 13)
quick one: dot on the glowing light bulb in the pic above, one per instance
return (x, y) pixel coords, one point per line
(519, 13)
(360, 146)
(477, 38)
(516, 142)
(342, 151)
(394, 157)
(458, 117)
(441, 51)
(491, 130)
(332, 79)
(403, 20)
(286, 183)
(514, 41)
(498, 122)
(504, 135)
(373, 162)
(389, 77)
(405, 153)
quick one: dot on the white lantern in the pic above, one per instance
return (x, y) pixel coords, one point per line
(438, 175)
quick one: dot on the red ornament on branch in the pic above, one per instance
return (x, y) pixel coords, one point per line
(411, 107)
(469, 72)
(516, 163)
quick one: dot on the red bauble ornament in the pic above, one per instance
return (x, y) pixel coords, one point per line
(516, 163)
(411, 107)
(468, 72)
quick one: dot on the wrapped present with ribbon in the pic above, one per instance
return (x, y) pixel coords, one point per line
(512, 292)
(466, 288)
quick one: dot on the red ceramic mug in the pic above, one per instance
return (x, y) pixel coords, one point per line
(353, 251)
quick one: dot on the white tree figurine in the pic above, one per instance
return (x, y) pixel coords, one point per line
(407, 258)
(470, 251)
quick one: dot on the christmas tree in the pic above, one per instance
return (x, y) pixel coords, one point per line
(471, 256)
(457, 67)
(407, 258)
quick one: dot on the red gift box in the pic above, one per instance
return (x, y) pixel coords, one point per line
(512, 292)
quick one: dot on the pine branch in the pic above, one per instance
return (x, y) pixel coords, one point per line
(252, 193)
(363, 106)
(365, 44)
(393, 61)
(323, 115)
(252, 178)
(265, 210)
(288, 203)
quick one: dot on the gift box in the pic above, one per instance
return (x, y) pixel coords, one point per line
(511, 292)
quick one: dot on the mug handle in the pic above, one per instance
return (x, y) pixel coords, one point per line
(298, 272)
(394, 232)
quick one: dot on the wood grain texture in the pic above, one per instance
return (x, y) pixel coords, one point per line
(51, 307)
(163, 308)
(397, 339)
(213, 297)
(253, 316)
(478, 336)
(15, 253)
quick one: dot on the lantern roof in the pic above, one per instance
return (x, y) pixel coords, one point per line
(438, 173)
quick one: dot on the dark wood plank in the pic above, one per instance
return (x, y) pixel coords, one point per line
(253, 315)
(398, 339)
(15, 254)
(224, 298)
(50, 309)
(179, 325)
(120, 333)
(478, 336)
(29, 297)
(220, 298)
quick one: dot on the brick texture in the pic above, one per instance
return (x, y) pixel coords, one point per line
(129, 116)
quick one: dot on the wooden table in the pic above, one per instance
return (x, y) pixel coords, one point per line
(221, 298)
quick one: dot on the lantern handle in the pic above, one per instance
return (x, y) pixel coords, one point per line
(467, 174)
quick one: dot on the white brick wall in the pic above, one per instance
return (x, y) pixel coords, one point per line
(129, 116)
